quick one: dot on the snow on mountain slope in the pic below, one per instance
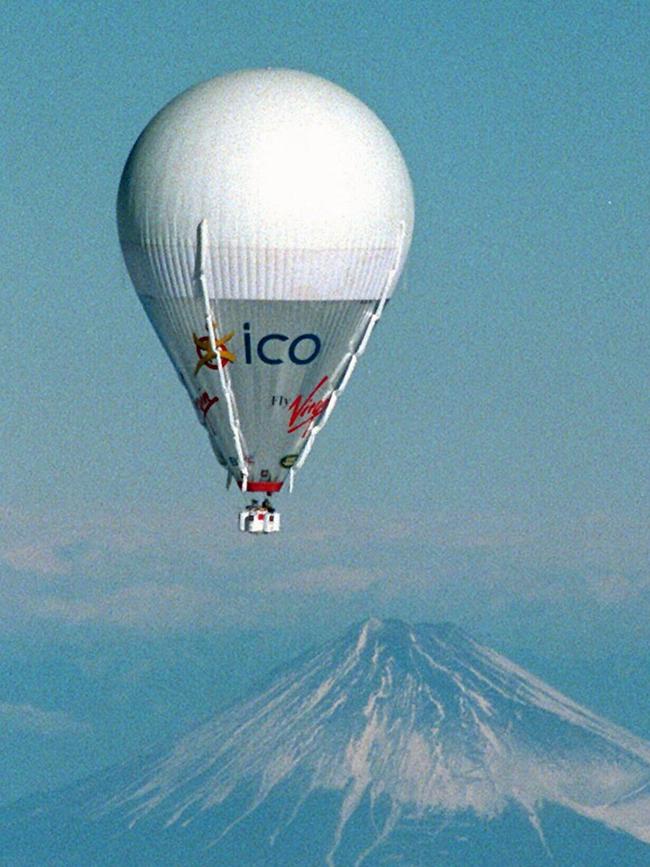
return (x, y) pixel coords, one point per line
(392, 733)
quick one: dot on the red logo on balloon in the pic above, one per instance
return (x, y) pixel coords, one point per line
(304, 411)
(204, 403)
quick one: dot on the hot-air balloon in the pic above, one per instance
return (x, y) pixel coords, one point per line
(265, 217)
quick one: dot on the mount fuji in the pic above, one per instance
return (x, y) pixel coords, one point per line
(392, 745)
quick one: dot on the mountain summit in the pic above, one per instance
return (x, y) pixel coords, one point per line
(395, 744)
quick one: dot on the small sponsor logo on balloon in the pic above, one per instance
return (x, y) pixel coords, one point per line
(204, 403)
(288, 461)
(304, 411)
(249, 460)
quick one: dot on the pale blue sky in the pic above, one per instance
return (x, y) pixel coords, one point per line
(488, 463)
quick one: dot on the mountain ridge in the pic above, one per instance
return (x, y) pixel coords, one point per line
(391, 732)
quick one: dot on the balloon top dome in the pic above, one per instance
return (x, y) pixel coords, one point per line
(269, 157)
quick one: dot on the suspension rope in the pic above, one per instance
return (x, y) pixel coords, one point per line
(224, 373)
(350, 359)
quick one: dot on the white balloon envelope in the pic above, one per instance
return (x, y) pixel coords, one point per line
(265, 217)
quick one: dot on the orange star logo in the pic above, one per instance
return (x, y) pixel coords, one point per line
(206, 354)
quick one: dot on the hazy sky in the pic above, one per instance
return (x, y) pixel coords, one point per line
(489, 461)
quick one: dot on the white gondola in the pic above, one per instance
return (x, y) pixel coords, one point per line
(256, 520)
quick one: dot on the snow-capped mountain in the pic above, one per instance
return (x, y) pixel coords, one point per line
(395, 744)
